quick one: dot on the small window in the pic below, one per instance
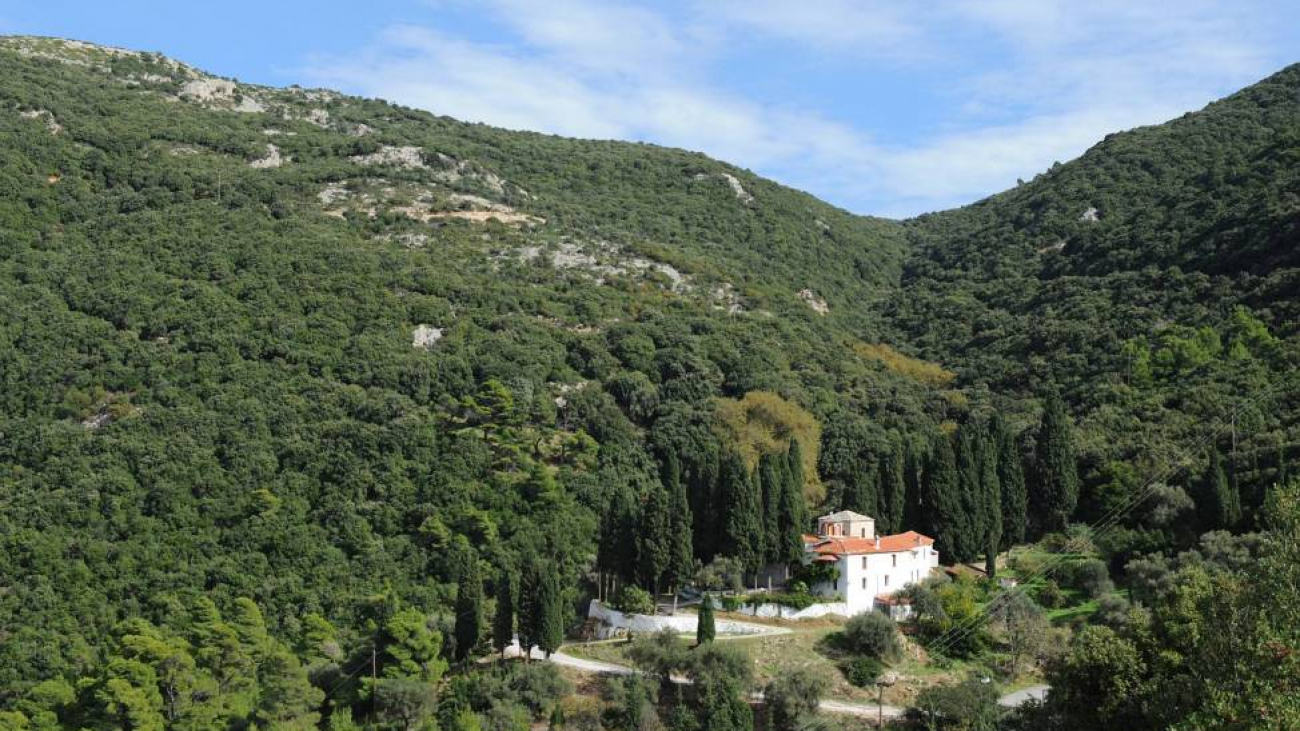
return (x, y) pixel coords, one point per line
(895, 557)
(837, 585)
(864, 532)
(864, 562)
(864, 582)
(886, 579)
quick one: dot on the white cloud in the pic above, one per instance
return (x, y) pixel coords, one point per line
(1025, 82)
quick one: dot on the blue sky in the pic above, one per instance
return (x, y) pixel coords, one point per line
(884, 107)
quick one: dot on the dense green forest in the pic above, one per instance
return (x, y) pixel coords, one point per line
(309, 401)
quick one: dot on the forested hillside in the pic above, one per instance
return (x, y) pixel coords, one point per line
(296, 388)
(303, 348)
(1154, 281)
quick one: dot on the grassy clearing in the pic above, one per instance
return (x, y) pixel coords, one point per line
(808, 645)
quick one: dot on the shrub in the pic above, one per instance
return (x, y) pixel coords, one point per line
(1091, 577)
(972, 701)
(861, 671)
(793, 601)
(874, 635)
(1050, 595)
(792, 698)
(634, 600)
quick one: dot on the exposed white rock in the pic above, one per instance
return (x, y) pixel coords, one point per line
(45, 116)
(318, 117)
(360, 130)
(425, 336)
(271, 160)
(98, 420)
(208, 90)
(332, 193)
(1052, 248)
(1091, 215)
(727, 299)
(453, 171)
(741, 194)
(404, 157)
(220, 94)
(817, 304)
(409, 240)
(568, 388)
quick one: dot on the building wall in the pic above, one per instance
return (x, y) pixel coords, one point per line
(864, 576)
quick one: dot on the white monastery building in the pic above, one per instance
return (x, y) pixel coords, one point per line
(871, 567)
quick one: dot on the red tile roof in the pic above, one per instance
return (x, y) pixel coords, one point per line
(841, 546)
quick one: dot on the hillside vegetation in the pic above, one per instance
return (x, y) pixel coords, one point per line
(296, 388)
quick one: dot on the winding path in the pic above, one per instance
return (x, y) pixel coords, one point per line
(863, 710)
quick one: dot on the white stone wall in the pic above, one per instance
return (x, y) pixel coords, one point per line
(839, 609)
(617, 624)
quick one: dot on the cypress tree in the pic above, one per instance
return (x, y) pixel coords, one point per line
(548, 622)
(794, 467)
(619, 530)
(792, 521)
(1283, 469)
(503, 621)
(703, 479)
(1055, 491)
(1011, 481)
(968, 535)
(771, 480)
(893, 489)
(743, 527)
(681, 563)
(861, 492)
(528, 609)
(1217, 504)
(654, 540)
(915, 457)
(704, 627)
(941, 496)
(991, 495)
(469, 606)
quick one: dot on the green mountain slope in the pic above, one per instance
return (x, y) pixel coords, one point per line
(1154, 280)
(320, 351)
(299, 347)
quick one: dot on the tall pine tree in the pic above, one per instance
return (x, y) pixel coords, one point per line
(503, 620)
(968, 536)
(771, 480)
(469, 605)
(541, 609)
(681, 563)
(1218, 506)
(991, 495)
(1055, 489)
(743, 527)
(654, 545)
(941, 497)
(617, 544)
(893, 491)
(792, 521)
(705, 628)
(860, 492)
(916, 455)
(1011, 480)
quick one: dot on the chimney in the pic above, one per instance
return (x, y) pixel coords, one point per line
(918, 540)
(877, 542)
